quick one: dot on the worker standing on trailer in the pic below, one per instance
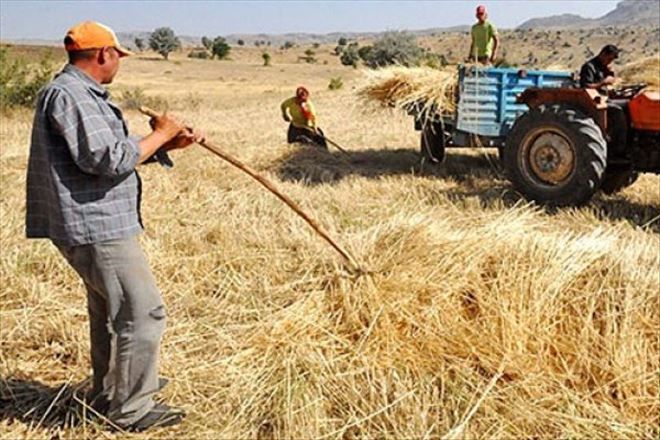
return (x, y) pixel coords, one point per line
(299, 112)
(83, 193)
(597, 74)
(485, 39)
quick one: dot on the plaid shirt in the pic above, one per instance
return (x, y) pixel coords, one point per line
(82, 186)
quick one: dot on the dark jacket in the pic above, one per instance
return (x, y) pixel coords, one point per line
(593, 72)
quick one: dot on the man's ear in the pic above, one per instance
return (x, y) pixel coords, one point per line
(103, 55)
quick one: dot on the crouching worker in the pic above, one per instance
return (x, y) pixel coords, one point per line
(299, 111)
(83, 194)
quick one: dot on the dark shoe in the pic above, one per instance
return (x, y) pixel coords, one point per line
(160, 416)
(93, 405)
(100, 405)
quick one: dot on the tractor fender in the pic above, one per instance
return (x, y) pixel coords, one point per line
(587, 101)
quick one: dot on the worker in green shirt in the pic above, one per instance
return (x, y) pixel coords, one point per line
(299, 111)
(484, 39)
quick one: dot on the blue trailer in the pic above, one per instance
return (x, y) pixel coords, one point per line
(486, 108)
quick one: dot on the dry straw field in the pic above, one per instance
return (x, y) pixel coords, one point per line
(482, 316)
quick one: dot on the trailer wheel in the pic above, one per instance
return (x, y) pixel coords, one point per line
(615, 181)
(556, 155)
(432, 143)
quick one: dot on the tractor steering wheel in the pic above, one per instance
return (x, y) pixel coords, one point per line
(626, 91)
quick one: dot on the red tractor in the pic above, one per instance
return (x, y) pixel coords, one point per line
(571, 144)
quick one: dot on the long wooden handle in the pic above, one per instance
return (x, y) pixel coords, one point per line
(330, 141)
(270, 187)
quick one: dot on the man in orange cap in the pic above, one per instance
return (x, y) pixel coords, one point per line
(83, 193)
(485, 39)
(300, 113)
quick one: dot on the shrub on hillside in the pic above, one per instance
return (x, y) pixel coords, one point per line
(365, 52)
(133, 99)
(434, 60)
(20, 82)
(139, 44)
(201, 54)
(394, 48)
(266, 57)
(207, 43)
(309, 56)
(336, 83)
(349, 56)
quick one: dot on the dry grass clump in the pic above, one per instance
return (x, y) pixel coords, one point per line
(428, 91)
(646, 70)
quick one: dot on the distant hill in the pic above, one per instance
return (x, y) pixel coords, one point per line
(277, 40)
(640, 13)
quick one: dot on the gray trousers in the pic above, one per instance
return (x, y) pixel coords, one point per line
(127, 321)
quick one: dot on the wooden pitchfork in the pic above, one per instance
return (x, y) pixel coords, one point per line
(270, 187)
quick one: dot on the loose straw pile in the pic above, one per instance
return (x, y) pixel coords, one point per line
(646, 70)
(427, 91)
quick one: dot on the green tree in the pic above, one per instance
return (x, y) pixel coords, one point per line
(220, 48)
(139, 43)
(288, 45)
(266, 57)
(241, 43)
(342, 41)
(164, 41)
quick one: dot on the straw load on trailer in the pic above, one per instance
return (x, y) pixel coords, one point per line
(422, 90)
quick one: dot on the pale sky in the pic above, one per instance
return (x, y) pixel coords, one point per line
(50, 19)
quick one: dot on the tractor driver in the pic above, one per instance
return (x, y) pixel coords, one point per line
(596, 74)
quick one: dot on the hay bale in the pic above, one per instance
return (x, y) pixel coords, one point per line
(428, 91)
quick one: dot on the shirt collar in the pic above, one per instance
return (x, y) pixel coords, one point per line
(90, 82)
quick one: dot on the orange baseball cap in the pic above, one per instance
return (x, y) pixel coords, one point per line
(92, 35)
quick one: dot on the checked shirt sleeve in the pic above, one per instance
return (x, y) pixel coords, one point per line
(95, 140)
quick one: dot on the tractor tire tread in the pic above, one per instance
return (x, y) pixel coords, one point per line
(590, 154)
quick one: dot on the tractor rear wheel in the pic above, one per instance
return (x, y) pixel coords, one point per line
(615, 181)
(556, 155)
(432, 143)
